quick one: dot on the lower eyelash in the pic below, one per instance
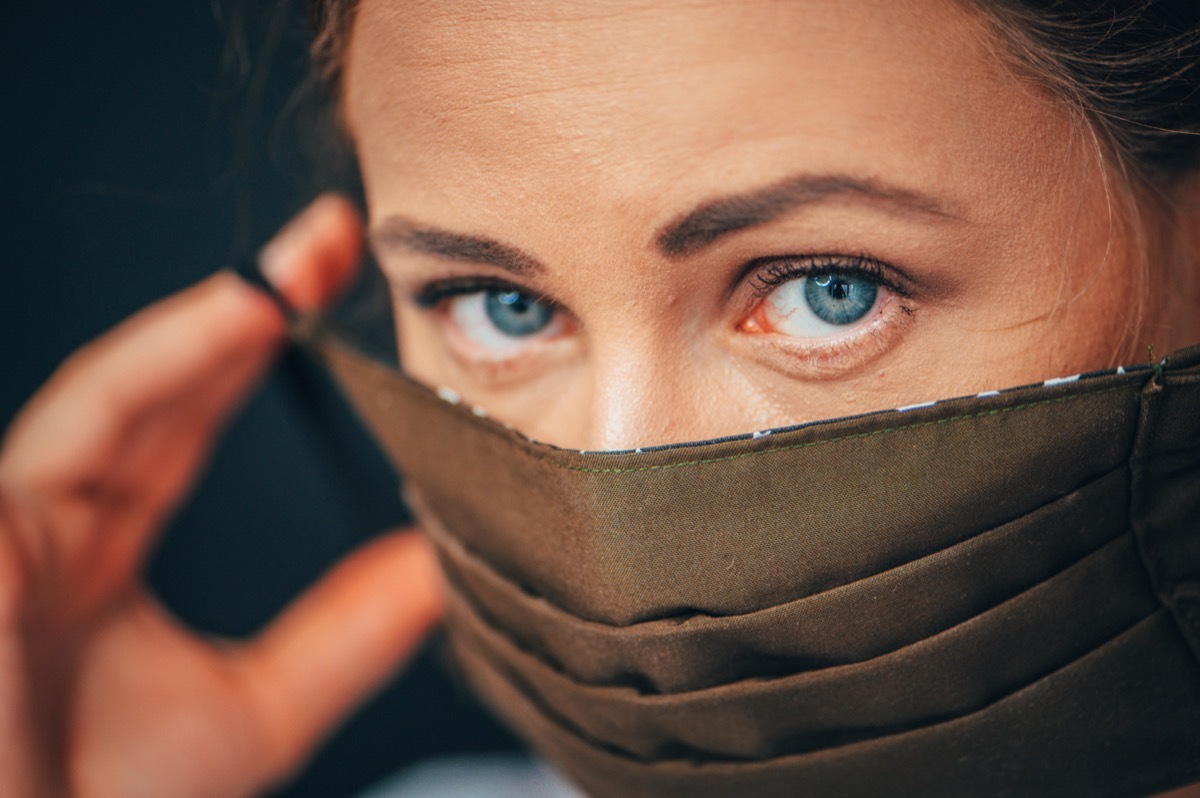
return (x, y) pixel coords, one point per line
(833, 358)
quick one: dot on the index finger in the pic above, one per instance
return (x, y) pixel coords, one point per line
(155, 389)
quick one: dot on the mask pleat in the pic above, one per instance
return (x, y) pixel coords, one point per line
(864, 619)
(1027, 743)
(777, 524)
(991, 595)
(948, 675)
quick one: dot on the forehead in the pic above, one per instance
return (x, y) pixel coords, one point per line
(490, 102)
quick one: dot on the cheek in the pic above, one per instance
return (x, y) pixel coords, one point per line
(1064, 292)
(1104, 320)
(1066, 324)
(551, 408)
(419, 347)
(1096, 316)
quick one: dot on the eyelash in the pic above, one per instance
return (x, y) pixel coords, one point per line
(761, 275)
(768, 274)
(433, 293)
(774, 272)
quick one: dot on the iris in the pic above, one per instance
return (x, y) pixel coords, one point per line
(516, 314)
(839, 298)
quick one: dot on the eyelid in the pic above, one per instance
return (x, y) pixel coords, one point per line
(430, 294)
(767, 274)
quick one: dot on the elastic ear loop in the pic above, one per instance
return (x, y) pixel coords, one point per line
(320, 411)
(247, 268)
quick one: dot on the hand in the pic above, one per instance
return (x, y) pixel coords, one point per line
(102, 693)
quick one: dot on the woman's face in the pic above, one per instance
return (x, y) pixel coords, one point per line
(629, 223)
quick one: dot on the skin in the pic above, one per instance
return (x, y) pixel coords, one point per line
(576, 135)
(102, 693)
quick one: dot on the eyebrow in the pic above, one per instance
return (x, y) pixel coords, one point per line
(701, 227)
(396, 232)
(685, 235)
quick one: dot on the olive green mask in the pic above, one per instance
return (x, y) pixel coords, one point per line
(997, 594)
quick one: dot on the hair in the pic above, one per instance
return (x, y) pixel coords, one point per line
(331, 22)
(1130, 67)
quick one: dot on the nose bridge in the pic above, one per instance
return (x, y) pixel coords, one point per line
(647, 346)
(639, 396)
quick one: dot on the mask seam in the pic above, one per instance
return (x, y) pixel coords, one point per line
(529, 447)
(807, 444)
(1185, 616)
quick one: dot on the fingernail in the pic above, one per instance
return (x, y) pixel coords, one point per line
(280, 258)
(314, 254)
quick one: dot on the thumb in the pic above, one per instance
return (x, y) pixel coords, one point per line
(337, 643)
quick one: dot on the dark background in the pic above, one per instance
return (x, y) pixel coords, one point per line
(145, 145)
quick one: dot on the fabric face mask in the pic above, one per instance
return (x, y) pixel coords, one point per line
(997, 594)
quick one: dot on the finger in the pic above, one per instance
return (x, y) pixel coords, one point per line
(199, 350)
(337, 643)
(117, 435)
(71, 434)
(315, 255)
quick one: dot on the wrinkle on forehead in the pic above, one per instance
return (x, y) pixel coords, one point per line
(634, 76)
(467, 57)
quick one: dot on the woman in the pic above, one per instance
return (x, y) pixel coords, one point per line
(612, 228)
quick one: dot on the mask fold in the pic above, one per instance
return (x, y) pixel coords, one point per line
(988, 595)
(851, 623)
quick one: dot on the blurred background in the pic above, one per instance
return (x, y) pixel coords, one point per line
(145, 145)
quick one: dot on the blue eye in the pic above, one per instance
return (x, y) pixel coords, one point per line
(502, 322)
(516, 314)
(839, 298)
(816, 305)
